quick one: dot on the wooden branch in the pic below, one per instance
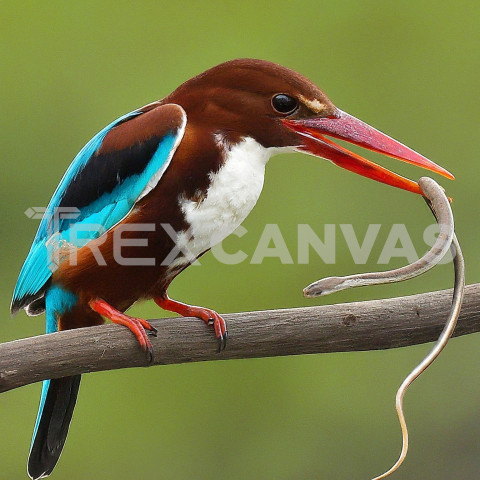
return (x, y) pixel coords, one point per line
(370, 325)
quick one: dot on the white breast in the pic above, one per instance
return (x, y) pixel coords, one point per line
(233, 192)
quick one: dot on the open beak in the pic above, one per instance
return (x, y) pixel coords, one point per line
(345, 127)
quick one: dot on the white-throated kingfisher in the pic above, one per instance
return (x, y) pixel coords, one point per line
(156, 189)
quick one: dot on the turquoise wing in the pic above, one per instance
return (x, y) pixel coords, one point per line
(117, 167)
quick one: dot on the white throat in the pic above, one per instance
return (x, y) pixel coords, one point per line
(233, 192)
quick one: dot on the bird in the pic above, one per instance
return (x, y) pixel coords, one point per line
(156, 189)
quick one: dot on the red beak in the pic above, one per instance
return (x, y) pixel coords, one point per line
(345, 127)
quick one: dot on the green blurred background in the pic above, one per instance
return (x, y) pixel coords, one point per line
(410, 68)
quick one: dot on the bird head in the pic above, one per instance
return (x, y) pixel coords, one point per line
(282, 109)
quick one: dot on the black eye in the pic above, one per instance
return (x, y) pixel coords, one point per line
(284, 103)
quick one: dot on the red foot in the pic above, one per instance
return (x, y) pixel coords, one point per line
(136, 325)
(208, 316)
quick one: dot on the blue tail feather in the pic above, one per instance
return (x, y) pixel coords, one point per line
(57, 400)
(56, 409)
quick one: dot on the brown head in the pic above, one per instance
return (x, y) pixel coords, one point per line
(280, 108)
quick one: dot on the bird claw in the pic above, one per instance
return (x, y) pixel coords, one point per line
(152, 332)
(210, 317)
(220, 330)
(138, 326)
(222, 341)
(145, 344)
(150, 354)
